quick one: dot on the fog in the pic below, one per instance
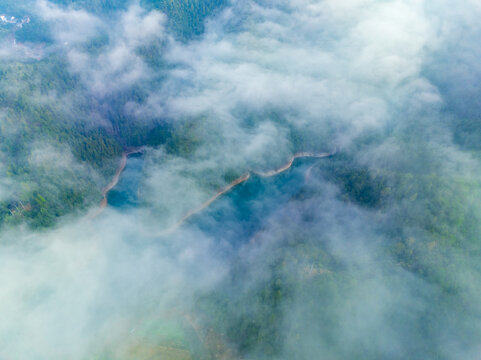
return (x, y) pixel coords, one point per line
(390, 85)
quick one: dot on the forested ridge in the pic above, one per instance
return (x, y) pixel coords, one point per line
(368, 248)
(31, 115)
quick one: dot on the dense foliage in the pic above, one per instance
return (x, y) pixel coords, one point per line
(31, 116)
(421, 222)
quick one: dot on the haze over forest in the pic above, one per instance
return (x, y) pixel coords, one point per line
(240, 179)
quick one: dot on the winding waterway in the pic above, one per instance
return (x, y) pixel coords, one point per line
(121, 192)
(125, 195)
(244, 178)
(115, 179)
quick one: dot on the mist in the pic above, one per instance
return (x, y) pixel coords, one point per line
(371, 253)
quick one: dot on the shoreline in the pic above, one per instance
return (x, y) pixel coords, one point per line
(240, 180)
(206, 204)
(115, 179)
(243, 179)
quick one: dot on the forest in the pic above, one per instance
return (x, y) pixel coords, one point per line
(373, 252)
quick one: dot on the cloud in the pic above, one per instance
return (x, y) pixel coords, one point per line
(297, 70)
(73, 290)
(120, 65)
(268, 79)
(117, 65)
(69, 26)
(45, 155)
(328, 71)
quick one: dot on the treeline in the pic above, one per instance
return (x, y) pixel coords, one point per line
(423, 224)
(185, 17)
(43, 103)
(44, 106)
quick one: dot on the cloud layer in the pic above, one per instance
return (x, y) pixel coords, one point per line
(380, 80)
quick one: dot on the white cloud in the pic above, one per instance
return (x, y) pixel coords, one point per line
(119, 66)
(71, 292)
(341, 67)
(317, 63)
(69, 26)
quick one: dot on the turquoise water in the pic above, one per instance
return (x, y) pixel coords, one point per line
(240, 214)
(125, 195)
(236, 216)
